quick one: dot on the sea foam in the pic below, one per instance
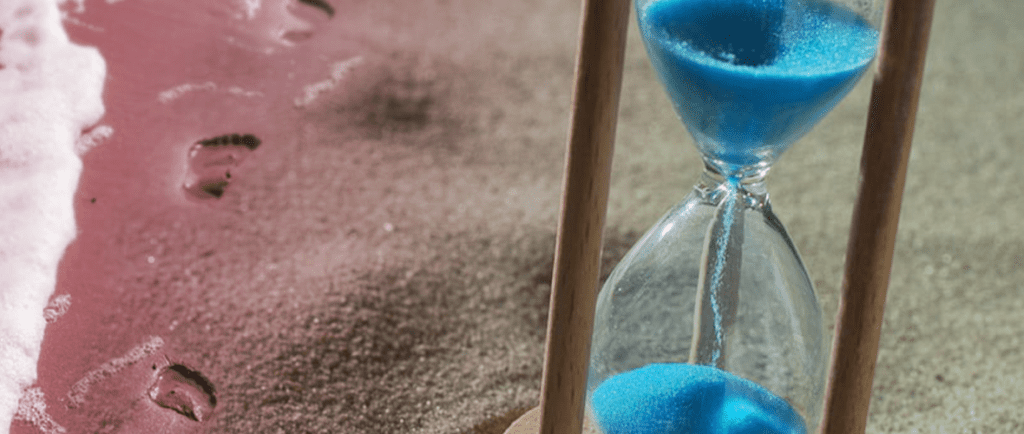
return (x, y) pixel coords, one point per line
(50, 91)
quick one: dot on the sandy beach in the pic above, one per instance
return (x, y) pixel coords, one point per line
(380, 262)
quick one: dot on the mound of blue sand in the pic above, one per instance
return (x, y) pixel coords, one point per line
(678, 398)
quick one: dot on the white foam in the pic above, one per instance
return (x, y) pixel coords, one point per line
(50, 90)
(76, 396)
(338, 71)
(208, 86)
(92, 138)
(251, 8)
(181, 89)
(57, 307)
(32, 409)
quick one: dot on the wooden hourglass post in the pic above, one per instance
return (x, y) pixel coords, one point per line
(595, 107)
(883, 168)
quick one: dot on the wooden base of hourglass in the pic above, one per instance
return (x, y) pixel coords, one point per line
(529, 423)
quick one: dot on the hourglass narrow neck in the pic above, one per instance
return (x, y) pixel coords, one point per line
(750, 182)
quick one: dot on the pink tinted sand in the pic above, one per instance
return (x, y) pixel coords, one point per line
(326, 290)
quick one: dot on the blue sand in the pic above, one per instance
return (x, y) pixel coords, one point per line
(749, 77)
(729, 215)
(679, 398)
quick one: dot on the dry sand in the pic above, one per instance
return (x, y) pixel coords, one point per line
(381, 263)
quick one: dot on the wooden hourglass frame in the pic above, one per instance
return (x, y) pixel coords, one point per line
(889, 133)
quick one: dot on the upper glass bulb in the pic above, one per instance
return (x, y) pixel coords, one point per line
(750, 77)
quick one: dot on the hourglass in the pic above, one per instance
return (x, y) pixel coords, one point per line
(710, 323)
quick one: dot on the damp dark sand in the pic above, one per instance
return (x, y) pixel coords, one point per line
(380, 262)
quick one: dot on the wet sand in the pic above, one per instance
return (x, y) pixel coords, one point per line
(380, 263)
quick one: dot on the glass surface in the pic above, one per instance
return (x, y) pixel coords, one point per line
(710, 323)
(749, 77)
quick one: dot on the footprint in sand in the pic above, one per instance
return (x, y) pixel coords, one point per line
(284, 22)
(184, 390)
(145, 390)
(210, 162)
